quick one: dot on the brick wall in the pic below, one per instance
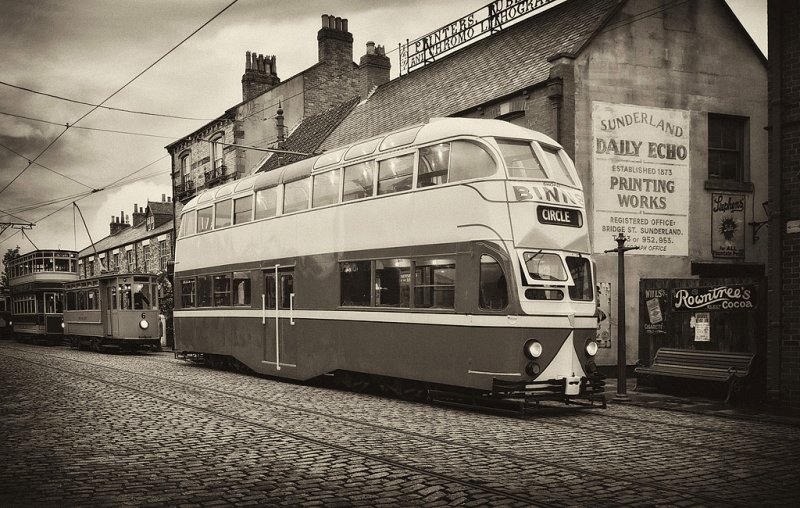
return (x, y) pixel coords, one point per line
(789, 90)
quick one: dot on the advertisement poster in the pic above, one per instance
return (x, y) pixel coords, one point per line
(702, 327)
(727, 225)
(641, 172)
(734, 297)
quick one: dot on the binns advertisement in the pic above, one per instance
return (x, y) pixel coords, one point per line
(641, 172)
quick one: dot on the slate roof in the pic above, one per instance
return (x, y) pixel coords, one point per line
(519, 54)
(308, 136)
(126, 237)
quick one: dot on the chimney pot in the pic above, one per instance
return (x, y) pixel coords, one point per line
(344, 24)
(370, 48)
(324, 21)
(338, 23)
(163, 198)
(247, 65)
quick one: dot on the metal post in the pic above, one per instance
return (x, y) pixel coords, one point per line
(622, 382)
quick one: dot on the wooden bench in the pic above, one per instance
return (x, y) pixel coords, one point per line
(729, 368)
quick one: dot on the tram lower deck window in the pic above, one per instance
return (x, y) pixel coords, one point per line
(355, 278)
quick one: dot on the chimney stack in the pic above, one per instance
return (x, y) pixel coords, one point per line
(118, 223)
(335, 42)
(259, 75)
(138, 215)
(373, 69)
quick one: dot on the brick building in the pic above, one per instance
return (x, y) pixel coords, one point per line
(784, 224)
(272, 108)
(141, 242)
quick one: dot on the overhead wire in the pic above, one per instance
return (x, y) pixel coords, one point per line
(82, 127)
(75, 101)
(96, 107)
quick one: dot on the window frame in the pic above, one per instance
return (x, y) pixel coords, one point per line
(741, 151)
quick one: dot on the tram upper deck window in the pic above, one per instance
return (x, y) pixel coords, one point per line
(395, 174)
(361, 149)
(579, 269)
(63, 265)
(521, 159)
(545, 266)
(222, 214)
(266, 203)
(556, 164)
(401, 138)
(326, 188)
(242, 210)
(453, 162)
(295, 195)
(188, 223)
(204, 219)
(358, 181)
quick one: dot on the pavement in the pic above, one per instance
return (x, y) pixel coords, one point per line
(647, 396)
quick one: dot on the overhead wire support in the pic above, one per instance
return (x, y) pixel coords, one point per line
(259, 149)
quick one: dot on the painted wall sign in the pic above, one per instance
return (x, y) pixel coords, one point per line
(717, 298)
(488, 19)
(641, 171)
(727, 225)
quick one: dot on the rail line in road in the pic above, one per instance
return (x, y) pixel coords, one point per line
(499, 455)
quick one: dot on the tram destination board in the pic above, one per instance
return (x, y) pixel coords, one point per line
(559, 216)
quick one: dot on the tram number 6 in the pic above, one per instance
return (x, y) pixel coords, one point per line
(144, 316)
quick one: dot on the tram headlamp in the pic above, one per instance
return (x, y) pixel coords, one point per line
(533, 369)
(143, 324)
(591, 347)
(533, 348)
(62, 325)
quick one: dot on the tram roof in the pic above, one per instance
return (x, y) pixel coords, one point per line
(434, 130)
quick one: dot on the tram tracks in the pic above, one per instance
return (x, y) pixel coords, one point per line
(506, 456)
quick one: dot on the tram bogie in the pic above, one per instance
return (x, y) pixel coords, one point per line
(452, 254)
(113, 312)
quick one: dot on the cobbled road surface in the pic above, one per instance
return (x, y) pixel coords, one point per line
(88, 429)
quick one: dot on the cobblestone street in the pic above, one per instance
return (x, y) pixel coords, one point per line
(79, 429)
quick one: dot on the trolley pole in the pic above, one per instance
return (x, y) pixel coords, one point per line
(622, 388)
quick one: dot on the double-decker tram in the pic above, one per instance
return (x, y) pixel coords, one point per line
(37, 280)
(113, 312)
(452, 256)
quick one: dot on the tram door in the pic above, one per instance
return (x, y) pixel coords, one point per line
(280, 342)
(111, 305)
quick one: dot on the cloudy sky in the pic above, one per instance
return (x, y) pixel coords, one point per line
(86, 50)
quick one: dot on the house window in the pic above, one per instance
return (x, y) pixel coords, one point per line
(129, 259)
(185, 168)
(145, 258)
(726, 135)
(216, 150)
(163, 251)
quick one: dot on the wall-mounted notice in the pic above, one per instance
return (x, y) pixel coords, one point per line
(727, 225)
(702, 327)
(641, 173)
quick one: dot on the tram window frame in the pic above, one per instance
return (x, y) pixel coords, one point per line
(398, 286)
(329, 190)
(553, 156)
(361, 170)
(297, 189)
(582, 289)
(242, 289)
(461, 170)
(223, 212)
(404, 175)
(433, 166)
(270, 197)
(510, 159)
(189, 223)
(205, 219)
(93, 299)
(355, 283)
(431, 291)
(188, 298)
(72, 300)
(286, 281)
(221, 290)
(243, 215)
(492, 293)
(204, 291)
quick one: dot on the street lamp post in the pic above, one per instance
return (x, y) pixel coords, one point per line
(622, 388)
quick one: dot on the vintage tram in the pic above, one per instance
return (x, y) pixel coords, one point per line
(36, 281)
(449, 255)
(113, 312)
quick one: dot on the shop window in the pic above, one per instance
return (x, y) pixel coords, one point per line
(726, 154)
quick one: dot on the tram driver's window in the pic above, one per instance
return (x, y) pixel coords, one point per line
(493, 294)
(582, 277)
(393, 282)
(520, 159)
(355, 281)
(395, 175)
(433, 164)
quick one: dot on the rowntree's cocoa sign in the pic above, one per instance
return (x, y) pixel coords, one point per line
(718, 298)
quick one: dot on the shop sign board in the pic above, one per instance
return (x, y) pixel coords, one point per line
(727, 225)
(714, 298)
(641, 177)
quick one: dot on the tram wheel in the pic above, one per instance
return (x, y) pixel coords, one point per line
(95, 345)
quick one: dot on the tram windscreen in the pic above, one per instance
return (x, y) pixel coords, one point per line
(545, 266)
(582, 277)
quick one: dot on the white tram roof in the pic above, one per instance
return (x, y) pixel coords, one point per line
(435, 130)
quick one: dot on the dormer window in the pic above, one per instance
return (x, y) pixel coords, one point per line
(151, 223)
